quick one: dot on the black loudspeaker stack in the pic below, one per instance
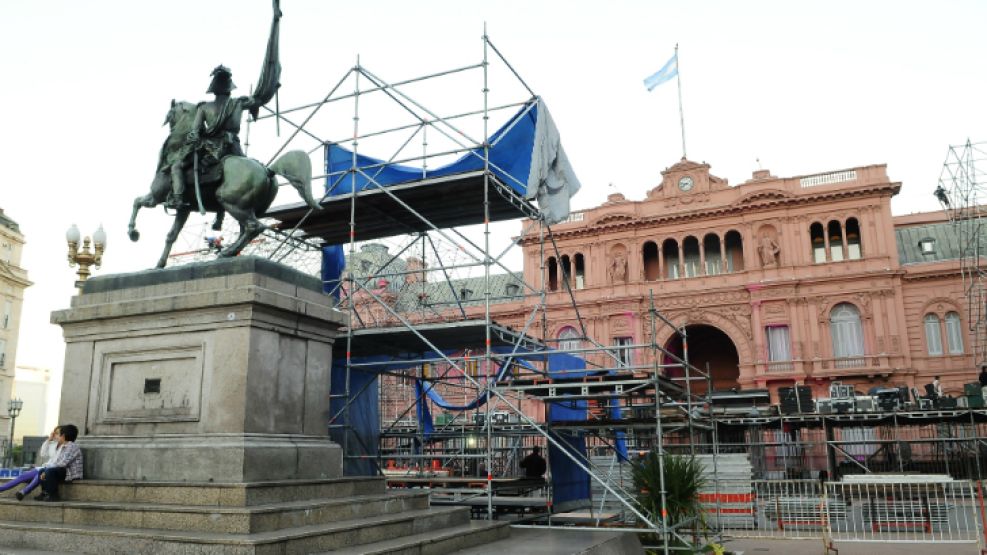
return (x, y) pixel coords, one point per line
(795, 400)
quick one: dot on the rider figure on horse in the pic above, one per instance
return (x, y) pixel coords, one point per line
(216, 131)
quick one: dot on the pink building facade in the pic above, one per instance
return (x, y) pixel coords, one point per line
(778, 281)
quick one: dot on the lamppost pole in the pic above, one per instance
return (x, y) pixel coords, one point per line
(14, 407)
(84, 257)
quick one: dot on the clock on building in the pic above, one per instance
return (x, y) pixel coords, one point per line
(685, 184)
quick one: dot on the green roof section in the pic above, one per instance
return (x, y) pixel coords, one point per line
(9, 223)
(948, 240)
(386, 272)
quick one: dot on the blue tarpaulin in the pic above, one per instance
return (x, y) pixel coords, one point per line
(363, 417)
(569, 481)
(510, 159)
(333, 263)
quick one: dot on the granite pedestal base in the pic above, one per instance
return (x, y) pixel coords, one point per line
(211, 372)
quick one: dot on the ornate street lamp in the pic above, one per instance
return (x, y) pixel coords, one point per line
(84, 257)
(14, 407)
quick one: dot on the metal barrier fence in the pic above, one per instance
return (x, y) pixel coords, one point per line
(919, 511)
(772, 509)
(859, 511)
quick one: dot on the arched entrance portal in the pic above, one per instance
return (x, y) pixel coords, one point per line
(707, 345)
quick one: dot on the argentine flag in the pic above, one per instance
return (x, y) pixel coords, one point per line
(667, 71)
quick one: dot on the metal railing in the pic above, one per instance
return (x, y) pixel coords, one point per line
(922, 510)
(912, 509)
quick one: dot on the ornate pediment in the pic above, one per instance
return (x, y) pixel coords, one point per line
(764, 195)
(613, 218)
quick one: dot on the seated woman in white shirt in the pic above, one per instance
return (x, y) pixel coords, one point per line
(47, 454)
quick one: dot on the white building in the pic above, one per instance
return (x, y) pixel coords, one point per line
(13, 282)
(33, 386)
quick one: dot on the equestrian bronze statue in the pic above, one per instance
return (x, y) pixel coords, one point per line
(202, 167)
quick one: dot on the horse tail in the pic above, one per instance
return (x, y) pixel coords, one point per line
(296, 167)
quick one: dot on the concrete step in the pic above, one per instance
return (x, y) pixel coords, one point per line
(559, 541)
(220, 495)
(437, 542)
(232, 520)
(80, 538)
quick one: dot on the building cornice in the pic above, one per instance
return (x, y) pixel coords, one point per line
(7, 273)
(757, 201)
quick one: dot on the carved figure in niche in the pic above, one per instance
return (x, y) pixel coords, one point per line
(618, 268)
(768, 250)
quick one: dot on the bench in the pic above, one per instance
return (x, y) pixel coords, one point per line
(804, 511)
(905, 513)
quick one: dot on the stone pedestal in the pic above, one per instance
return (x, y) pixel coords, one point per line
(212, 372)
(202, 393)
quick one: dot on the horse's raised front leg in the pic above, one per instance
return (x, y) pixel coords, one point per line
(180, 217)
(146, 201)
(160, 187)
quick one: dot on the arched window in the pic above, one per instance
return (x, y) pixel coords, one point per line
(836, 241)
(553, 274)
(649, 255)
(735, 251)
(817, 236)
(569, 339)
(670, 256)
(933, 339)
(566, 270)
(711, 252)
(580, 271)
(854, 251)
(954, 333)
(847, 335)
(690, 252)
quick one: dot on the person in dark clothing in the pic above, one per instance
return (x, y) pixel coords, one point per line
(982, 378)
(533, 465)
(66, 467)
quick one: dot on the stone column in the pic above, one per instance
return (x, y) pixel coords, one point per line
(702, 260)
(211, 372)
(661, 264)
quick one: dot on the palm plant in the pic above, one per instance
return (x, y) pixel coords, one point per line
(684, 478)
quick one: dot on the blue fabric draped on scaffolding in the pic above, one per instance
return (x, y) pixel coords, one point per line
(510, 159)
(569, 482)
(363, 415)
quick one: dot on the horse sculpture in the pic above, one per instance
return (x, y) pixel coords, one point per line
(246, 190)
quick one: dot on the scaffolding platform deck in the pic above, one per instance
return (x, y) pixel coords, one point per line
(592, 386)
(441, 202)
(498, 485)
(932, 416)
(446, 336)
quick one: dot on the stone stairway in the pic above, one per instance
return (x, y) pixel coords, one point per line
(344, 515)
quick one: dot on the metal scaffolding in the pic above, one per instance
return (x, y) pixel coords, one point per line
(428, 267)
(962, 192)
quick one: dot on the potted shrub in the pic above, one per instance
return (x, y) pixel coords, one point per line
(684, 478)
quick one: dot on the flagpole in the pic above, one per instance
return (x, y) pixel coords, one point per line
(678, 79)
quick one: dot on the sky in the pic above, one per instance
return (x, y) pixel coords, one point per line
(794, 87)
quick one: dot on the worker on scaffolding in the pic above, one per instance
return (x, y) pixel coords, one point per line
(534, 465)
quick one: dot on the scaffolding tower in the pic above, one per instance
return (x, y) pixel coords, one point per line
(962, 192)
(427, 272)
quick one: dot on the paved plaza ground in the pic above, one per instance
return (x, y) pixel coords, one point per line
(554, 542)
(815, 547)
